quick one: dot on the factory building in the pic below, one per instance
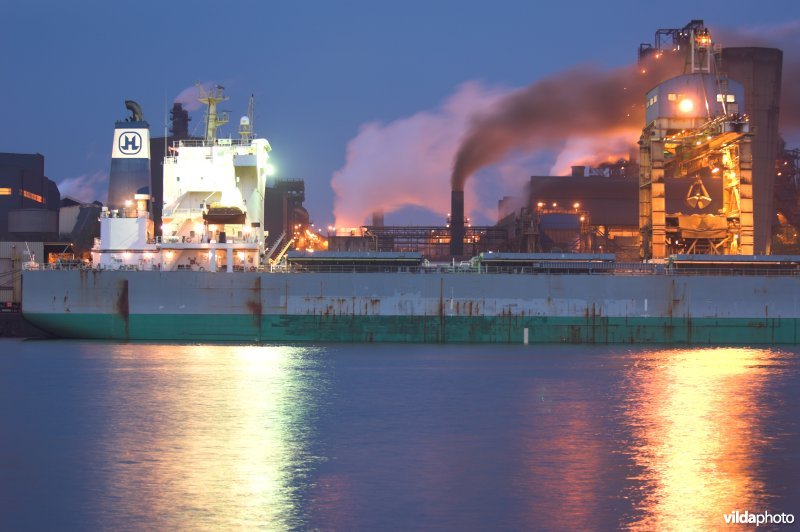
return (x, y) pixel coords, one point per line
(29, 201)
(79, 224)
(575, 213)
(284, 214)
(29, 204)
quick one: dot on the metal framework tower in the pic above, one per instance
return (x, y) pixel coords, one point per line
(696, 140)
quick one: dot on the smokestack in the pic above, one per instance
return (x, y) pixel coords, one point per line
(578, 171)
(457, 223)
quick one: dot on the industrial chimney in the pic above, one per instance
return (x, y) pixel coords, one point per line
(457, 223)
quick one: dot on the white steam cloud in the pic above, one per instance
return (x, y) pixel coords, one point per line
(407, 161)
(86, 188)
(189, 96)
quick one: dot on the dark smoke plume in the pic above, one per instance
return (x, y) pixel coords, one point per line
(583, 100)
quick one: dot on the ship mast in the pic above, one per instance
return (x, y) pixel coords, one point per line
(211, 99)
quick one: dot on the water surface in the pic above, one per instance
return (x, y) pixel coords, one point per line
(141, 436)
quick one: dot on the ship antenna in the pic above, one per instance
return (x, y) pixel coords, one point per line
(166, 118)
(251, 113)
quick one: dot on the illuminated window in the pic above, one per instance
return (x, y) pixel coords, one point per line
(5, 191)
(672, 96)
(35, 197)
(730, 98)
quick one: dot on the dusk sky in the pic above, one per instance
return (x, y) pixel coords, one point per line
(368, 99)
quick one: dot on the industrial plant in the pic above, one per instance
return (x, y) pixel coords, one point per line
(711, 176)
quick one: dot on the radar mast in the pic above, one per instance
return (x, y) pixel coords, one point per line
(211, 99)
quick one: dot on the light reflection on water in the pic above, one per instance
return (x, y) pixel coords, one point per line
(140, 436)
(697, 421)
(210, 436)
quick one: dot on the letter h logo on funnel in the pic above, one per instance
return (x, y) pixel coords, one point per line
(130, 143)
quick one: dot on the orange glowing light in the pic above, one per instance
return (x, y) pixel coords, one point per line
(686, 105)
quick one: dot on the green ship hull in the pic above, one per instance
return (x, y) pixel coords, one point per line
(414, 307)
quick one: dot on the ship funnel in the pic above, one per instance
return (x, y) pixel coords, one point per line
(130, 158)
(457, 223)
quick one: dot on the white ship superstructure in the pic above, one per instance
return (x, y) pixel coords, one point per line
(213, 214)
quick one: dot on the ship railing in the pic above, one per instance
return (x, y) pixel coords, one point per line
(738, 272)
(201, 239)
(203, 143)
(186, 212)
(125, 212)
(61, 265)
(548, 269)
(544, 268)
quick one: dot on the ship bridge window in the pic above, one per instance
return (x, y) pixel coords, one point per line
(672, 97)
(730, 98)
(5, 191)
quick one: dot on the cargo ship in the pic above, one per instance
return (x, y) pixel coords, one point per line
(209, 275)
(505, 298)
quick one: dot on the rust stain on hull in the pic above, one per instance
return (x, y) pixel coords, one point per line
(254, 305)
(123, 305)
